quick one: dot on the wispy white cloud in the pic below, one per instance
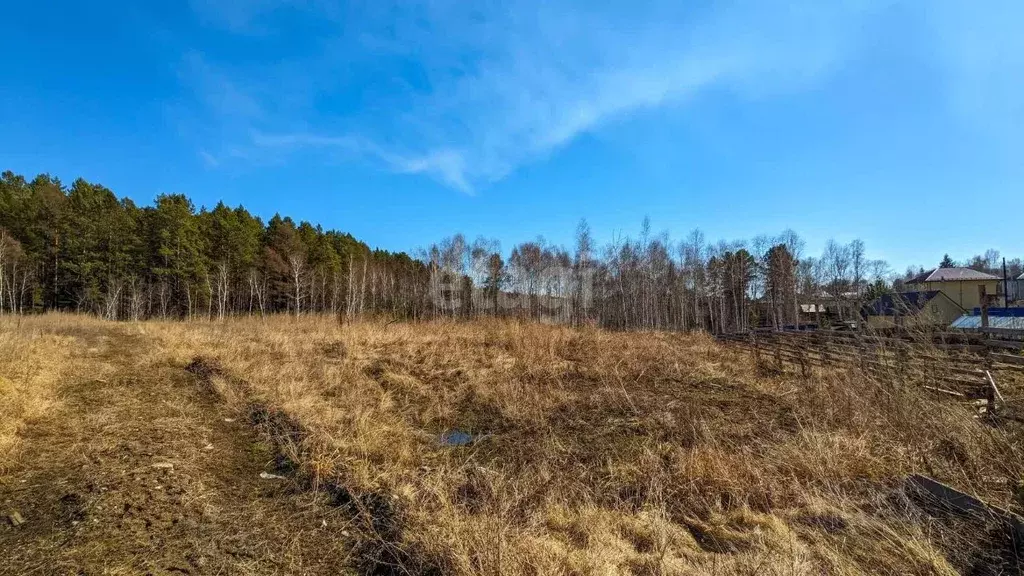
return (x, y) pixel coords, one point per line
(209, 159)
(300, 140)
(466, 93)
(225, 96)
(446, 165)
(540, 75)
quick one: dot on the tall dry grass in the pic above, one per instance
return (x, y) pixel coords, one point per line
(36, 359)
(607, 453)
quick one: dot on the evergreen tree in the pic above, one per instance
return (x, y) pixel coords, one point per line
(177, 255)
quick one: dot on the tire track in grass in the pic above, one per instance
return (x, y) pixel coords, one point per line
(144, 473)
(377, 524)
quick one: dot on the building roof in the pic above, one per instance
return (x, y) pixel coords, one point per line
(902, 303)
(1006, 312)
(951, 275)
(972, 322)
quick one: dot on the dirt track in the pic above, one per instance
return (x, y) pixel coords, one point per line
(142, 472)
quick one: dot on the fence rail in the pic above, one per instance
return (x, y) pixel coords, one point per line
(956, 364)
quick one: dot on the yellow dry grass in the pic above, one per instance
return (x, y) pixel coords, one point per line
(606, 453)
(34, 360)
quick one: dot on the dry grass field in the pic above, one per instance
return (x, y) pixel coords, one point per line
(486, 447)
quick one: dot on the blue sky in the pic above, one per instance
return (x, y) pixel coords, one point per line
(901, 123)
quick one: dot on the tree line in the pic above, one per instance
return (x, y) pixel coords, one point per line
(651, 281)
(990, 262)
(81, 248)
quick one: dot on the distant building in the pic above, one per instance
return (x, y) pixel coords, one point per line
(962, 285)
(828, 313)
(920, 308)
(998, 318)
(813, 309)
(1015, 289)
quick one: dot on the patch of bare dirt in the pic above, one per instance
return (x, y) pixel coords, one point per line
(145, 473)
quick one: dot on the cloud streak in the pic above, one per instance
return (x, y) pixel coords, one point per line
(445, 165)
(210, 160)
(466, 94)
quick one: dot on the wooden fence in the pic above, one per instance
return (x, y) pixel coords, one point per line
(957, 364)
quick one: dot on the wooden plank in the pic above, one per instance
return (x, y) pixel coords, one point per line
(1013, 368)
(964, 347)
(1012, 332)
(947, 495)
(944, 391)
(995, 389)
(964, 503)
(959, 336)
(973, 383)
(1008, 359)
(1008, 344)
(948, 368)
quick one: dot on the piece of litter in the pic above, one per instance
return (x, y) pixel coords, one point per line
(167, 465)
(208, 447)
(323, 523)
(16, 519)
(456, 438)
(229, 419)
(269, 476)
